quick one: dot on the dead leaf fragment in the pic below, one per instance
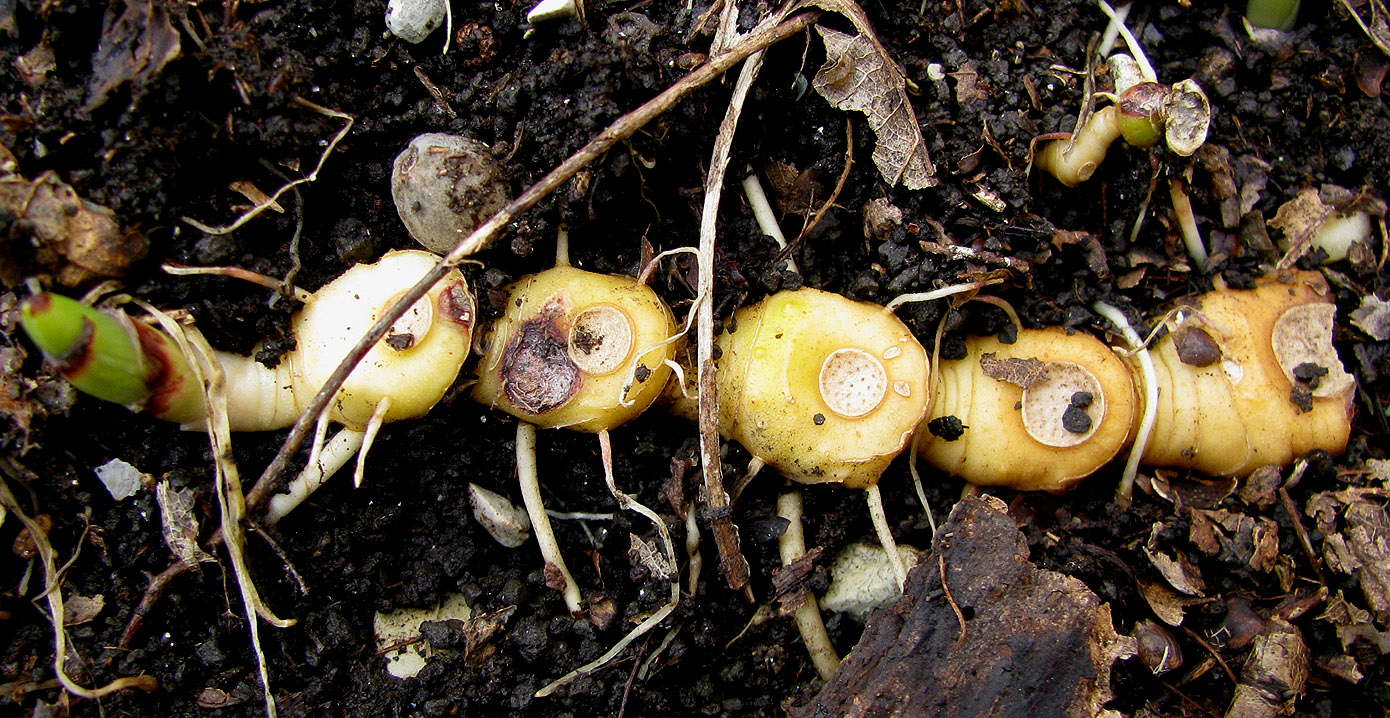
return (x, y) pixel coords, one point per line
(1373, 317)
(1090, 246)
(1370, 69)
(79, 609)
(1165, 603)
(249, 190)
(647, 554)
(880, 218)
(78, 239)
(1180, 573)
(33, 66)
(1015, 370)
(859, 76)
(180, 525)
(216, 698)
(135, 45)
(1275, 675)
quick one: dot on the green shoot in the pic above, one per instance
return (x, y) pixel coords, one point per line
(111, 357)
(1273, 14)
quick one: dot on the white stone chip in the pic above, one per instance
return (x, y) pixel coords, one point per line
(503, 521)
(120, 478)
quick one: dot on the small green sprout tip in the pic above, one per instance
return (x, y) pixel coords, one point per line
(116, 361)
(1273, 14)
(88, 347)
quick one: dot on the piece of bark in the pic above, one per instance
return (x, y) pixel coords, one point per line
(1032, 642)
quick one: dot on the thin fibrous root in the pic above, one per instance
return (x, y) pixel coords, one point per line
(762, 212)
(791, 545)
(232, 503)
(1187, 223)
(540, 521)
(245, 275)
(1125, 492)
(941, 293)
(626, 501)
(369, 436)
(312, 176)
(54, 596)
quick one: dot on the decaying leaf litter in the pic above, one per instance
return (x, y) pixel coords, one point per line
(979, 121)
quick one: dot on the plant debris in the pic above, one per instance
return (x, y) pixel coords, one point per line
(859, 76)
(919, 657)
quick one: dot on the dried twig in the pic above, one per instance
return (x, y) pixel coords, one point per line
(713, 495)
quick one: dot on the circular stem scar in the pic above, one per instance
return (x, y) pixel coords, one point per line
(853, 382)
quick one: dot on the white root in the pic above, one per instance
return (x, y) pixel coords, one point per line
(791, 545)
(231, 501)
(692, 550)
(941, 293)
(54, 595)
(762, 211)
(1187, 223)
(369, 436)
(335, 455)
(540, 521)
(885, 534)
(1125, 492)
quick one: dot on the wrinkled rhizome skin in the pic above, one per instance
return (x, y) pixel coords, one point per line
(1243, 406)
(577, 349)
(1245, 378)
(820, 387)
(1017, 437)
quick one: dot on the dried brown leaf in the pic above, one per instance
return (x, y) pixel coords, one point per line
(1015, 370)
(135, 45)
(1300, 218)
(180, 525)
(74, 237)
(1202, 531)
(881, 216)
(79, 609)
(249, 190)
(33, 66)
(1258, 489)
(1180, 573)
(1368, 538)
(649, 555)
(1373, 317)
(1275, 675)
(1165, 603)
(859, 76)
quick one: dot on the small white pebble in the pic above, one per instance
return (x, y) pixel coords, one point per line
(414, 20)
(507, 524)
(120, 478)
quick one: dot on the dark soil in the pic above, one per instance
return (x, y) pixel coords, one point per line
(167, 145)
